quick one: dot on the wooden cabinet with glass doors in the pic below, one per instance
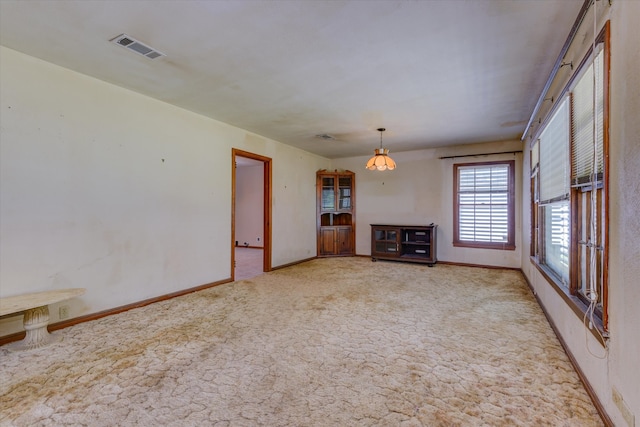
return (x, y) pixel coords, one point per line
(412, 243)
(335, 213)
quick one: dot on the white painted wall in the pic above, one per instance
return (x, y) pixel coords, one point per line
(124, 195)
(420, 191)
(620, 368)
(249, 205)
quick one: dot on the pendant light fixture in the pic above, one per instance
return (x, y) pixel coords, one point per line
(381, 161)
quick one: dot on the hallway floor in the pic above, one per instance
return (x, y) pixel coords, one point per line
(248, 262)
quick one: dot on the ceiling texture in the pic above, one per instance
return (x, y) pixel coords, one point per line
(318, 75)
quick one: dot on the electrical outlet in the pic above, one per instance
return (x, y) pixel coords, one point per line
(63, 312)
(622, 406)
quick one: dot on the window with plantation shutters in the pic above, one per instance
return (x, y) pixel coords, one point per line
(484, 205)
(583, 123)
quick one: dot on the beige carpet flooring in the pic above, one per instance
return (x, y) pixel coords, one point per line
(330, 342)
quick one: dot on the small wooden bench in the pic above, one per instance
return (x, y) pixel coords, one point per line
(36, 314)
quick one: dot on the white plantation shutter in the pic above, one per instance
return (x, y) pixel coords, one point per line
(582, 122)
(554, 156)
(483, 193)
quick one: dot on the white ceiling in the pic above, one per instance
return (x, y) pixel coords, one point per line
(434, 73)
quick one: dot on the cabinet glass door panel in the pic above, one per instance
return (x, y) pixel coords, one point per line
(344, 193)
(385, 241)
(328, 194)
(386, 235)
(387, 247)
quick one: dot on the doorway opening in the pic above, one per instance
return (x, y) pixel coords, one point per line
(250, 214)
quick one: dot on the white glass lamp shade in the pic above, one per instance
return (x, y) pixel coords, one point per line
(381, 161)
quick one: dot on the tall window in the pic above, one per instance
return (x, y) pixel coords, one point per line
(484, 205)
(569, 188)
(587, 181)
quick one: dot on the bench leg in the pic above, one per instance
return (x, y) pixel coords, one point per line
(35, 324)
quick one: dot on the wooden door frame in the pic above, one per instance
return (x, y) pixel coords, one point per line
(266, 215)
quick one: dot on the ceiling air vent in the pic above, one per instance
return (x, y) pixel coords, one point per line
(136, 46)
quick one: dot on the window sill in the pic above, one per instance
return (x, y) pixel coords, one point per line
(480, 245)
(575, 303)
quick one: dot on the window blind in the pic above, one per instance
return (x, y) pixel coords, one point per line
(556, 239)
(582, 124)
(554, 156)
